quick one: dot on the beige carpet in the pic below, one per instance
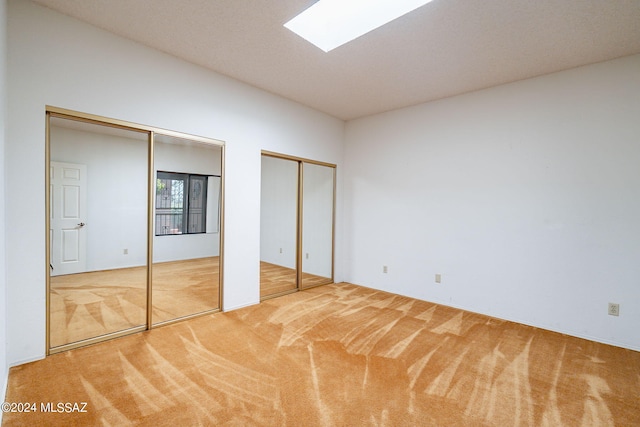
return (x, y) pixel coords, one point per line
(337, 355)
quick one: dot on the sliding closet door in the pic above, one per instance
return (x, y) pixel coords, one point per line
(186, 230)
(278, 226)
(98, 185)
(134, 227)
(296, 224)
(317, 224)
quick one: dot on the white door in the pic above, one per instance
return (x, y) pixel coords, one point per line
(68, 207)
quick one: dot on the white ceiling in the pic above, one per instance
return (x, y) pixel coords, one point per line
(444, 48)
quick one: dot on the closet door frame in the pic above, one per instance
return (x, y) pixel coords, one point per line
(50, 112)
(299, 222)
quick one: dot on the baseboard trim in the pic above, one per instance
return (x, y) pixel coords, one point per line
(23, 361)
(237, 307)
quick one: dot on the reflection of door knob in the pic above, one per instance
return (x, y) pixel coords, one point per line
(82, 224)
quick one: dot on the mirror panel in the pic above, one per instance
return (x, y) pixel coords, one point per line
(278, 226)
(317, 224)
(98, 230)
(186, 242)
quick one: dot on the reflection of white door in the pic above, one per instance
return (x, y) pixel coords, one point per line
(68, 206)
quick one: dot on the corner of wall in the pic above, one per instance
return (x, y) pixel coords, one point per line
(4, 371)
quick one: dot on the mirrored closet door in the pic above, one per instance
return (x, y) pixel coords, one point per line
(278, 226)
(186, 242)
(98, 230)
(317, 224)
(120, 195)
(296, 224)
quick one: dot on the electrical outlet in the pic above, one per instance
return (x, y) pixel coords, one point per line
(125, 251)
(384, 269)
(280, 250)
(307, 255)
(614, 309)
(438, 278)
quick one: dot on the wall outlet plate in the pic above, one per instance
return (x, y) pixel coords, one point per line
(614, 309)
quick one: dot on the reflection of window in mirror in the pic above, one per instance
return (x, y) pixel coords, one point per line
(182, 202)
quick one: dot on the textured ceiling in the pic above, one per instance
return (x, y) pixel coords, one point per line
(444, 48)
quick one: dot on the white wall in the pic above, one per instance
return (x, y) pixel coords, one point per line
(56, 60)
(525, 197)
(3, 283)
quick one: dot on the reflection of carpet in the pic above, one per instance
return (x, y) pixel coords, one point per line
(86, 305)
(275, 279)
(337, 355)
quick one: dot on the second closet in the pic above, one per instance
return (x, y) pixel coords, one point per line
(297, 224)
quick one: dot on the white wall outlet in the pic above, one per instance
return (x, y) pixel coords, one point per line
(125, 251)
(384, 269)
(307, 255)
(438, 278)
(614, 309)
(280, 250)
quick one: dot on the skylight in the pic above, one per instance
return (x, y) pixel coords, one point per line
(332, 23)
